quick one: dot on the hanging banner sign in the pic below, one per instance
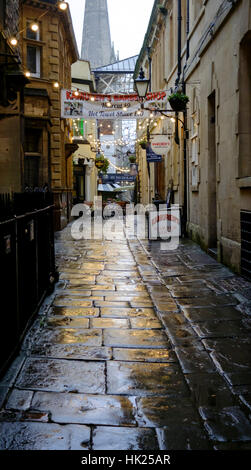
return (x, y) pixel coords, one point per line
(161, 144)
(97, 106)
(117, 178)
(151, 156)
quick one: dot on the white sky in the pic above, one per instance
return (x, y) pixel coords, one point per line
(128, 23)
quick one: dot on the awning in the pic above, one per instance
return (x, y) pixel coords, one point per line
(105, 187)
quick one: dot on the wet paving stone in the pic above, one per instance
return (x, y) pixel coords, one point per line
(43, 436)
(227, 424)
(178, 330)
(208, 300)
(74, 312)
(128, 296)
(144, 355)
(86, 409)
(19, 400)
(194, 360)
(221, 329)
(141, 303)
(163, 307)
(122, 287)
(142, 379)
(67, 321)
(65, 335)
(111, 304)
(72, 351)
(197, 315)
(72, 277)
(110, 323)
(72, 302)
(145, 323)
(135, 338)
(61, 375)
(238, 378)
(210, 390)
(140, 312)
(124, 438)
(158, 412)
(230, 354)
(187, 436)
(183, 292)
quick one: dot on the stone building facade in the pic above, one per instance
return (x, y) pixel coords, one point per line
(12, 82)
(47, 55)
(201, 47)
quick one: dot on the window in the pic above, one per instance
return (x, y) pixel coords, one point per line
(34, 60)
(33, 140)
(32, 156)
(31, 171)
(30, 34)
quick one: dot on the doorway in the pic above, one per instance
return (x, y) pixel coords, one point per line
(212, 183)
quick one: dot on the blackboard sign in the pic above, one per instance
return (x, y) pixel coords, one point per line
(151, 156)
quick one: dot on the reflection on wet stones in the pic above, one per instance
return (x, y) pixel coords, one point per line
(109, 438)
(70, 336)
(62, 375)
(41, 436)
(74, 312)
(86, 409)
(143, 379)
(135, 338)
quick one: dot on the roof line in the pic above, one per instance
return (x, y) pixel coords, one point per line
(113, 63)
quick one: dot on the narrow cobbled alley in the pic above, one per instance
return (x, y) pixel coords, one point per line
(136, 349)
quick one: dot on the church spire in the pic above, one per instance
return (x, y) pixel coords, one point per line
(96, 39)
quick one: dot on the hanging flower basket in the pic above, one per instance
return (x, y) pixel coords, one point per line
(132, 159)
(178, 101)
(143, 144)
(102, 164)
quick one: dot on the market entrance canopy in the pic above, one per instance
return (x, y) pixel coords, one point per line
(99, 106)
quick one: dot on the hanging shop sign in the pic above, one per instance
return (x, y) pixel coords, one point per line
(97, 106)
(161, 144)
(151, 156)
(117, 178)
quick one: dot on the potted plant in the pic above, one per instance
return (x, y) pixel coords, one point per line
(143, 144)
(102, 163)
(178, 101)
(132, 159)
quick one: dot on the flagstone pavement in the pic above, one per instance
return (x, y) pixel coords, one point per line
(136, 349)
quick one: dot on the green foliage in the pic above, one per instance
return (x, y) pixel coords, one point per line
(102, 163)
(179, 97)
(143, 143)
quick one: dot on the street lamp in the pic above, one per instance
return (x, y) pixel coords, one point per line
(63, 5)
(141, 84)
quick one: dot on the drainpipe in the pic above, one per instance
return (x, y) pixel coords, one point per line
(177, 140)
(150, 67)
(188, 31)
(179, 44)
(186, 161)
(148, 127)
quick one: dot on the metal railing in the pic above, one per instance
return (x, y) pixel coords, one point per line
(27, 270)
